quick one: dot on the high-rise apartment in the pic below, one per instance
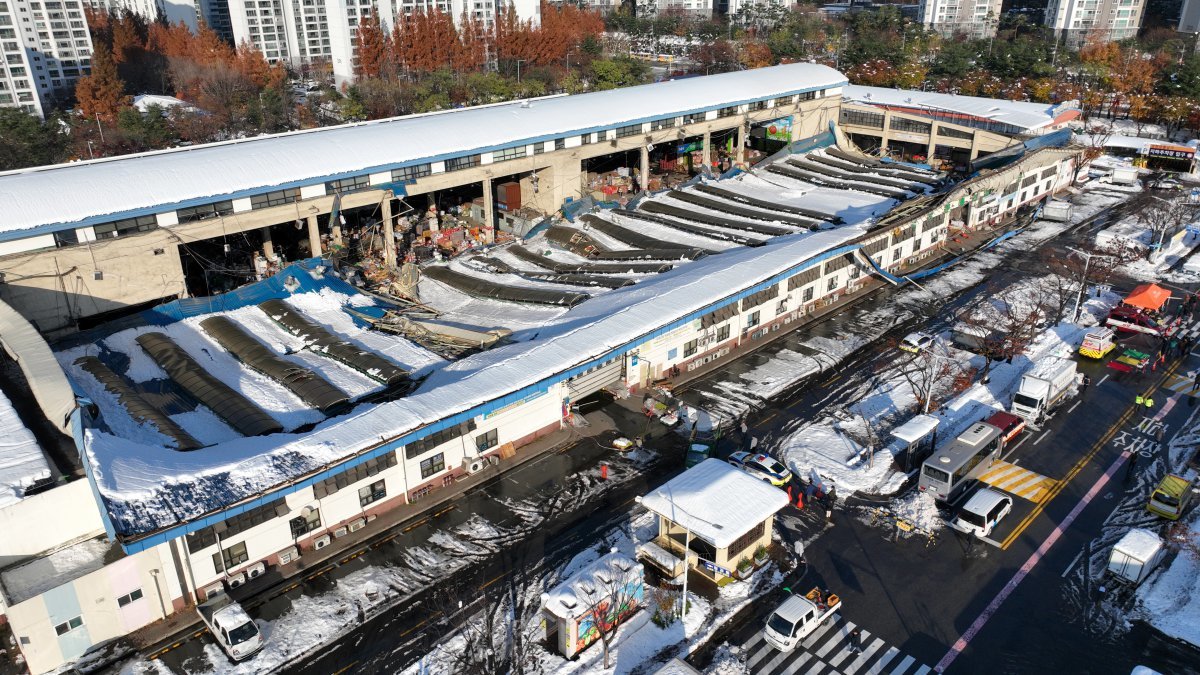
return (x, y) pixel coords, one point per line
(188, 12)
(1074, 20)
(973, 18)
(44, 48)
(310, 32)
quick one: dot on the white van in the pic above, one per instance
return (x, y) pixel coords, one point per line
(982, 512)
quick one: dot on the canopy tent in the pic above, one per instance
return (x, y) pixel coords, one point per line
(1148, 296)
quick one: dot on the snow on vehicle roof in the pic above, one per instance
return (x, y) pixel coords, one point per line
(600, 580)
(232, 616)
(716, 501)
(146, 488)
(1139, 543)
(916, 428)
(21, 460)
(1049, 367)
(1021, 114)
(160, 181)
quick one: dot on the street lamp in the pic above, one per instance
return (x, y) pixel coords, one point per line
(687, 542)
(519, 62)
(1087, 260)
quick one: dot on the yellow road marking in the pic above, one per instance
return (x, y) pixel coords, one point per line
(352, 664)
(1018, 481)
(1083, 461)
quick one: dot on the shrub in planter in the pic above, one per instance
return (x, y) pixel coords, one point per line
(744, 568)
(760, 555)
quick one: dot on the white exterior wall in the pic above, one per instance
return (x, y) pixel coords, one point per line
(45, 50)
(1073, 20)
(975, 18)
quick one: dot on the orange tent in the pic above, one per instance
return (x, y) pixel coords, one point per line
(1148, 296)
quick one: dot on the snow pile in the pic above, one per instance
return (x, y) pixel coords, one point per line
(919, 509)
(839, 459)
(21, 459)
(1171, 601)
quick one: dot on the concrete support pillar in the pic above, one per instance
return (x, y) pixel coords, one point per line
(929, 150)
(974, 147)
(706, 151)
(268, 243)
(645, 168)
(489, 209)
(314, 237)
(389, 238)
(335, 229)
(741, 146)
(796, 122)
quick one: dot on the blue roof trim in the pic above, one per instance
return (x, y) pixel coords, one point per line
(200, 201)
(77, 434)
(540, 387)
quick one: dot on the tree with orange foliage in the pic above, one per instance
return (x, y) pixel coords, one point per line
(101, 94)
(755, 54)
(873, 73)
(425, 41)
(374, 57)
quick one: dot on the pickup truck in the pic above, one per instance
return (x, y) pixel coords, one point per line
(798, 617)
(232, 628)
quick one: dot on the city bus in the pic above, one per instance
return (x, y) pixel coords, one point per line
(950, 470)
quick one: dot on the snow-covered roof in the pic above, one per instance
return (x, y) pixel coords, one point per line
(21, 460)
(143, 102)
(147, 488)
(34, 577)
(716, 501)
(676, 666)
(1139, 544)
(915, 429)
(101, 190)
(1022, 114)
(602, 579)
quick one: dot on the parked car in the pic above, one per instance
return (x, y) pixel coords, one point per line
(916, 343)
(982, 512)
(698, 452)
(763, 467)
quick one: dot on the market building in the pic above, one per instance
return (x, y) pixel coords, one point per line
(240, 475)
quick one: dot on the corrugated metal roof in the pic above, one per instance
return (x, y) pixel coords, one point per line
(1021, 114)
(86, 192)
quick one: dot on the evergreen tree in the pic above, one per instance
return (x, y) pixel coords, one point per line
(26, 140)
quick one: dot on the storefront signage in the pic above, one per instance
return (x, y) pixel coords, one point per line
(514, 404)
(1172, 151)
(780, 129)
(714, 567)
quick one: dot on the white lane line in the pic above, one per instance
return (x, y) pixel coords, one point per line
(1039, 438)
(1103, 379)
(1073, 407)
(1072, 565)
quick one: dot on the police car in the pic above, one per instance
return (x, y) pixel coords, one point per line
(763, 467)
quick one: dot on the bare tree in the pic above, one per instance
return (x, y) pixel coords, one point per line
(1164, 217)
(1008, 321)
(927, 374)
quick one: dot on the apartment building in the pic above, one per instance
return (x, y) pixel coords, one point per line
(190, 13)
(309, 32)
(973, 18)
(44, 48)
(1074, 20)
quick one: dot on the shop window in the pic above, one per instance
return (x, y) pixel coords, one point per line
(862, 118)
(68, 625)
(781, 308)
(833, 283)
(667, 123)
(459, 163)
(690, 348)
(302, 525)
(808, 96)
(231, 557)
(407, 174)
(627, 131)
(911, 126)
(784, 100)
(694, 117)
(353, 475)
(130, 597)
(759, 105)
(371, 493)
(345, 185)
(66, 238)
(753, 319)
(486, 441)
(276, 198)
(433, 465)
(808, 294)
(723, 333)
(560, 143)
(125, 227)
(727, 112)
(509, 153)
(204, 211)
(586, 139)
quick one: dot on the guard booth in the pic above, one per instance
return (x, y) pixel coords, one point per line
(914, 440)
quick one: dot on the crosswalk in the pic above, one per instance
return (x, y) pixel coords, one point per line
(1018, 481)
(1182, 383)
(827, 652)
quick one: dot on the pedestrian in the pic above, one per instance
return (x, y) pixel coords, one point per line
(856, 641)
(1158, 436)
(1173, 347)
(1131, 466)
(1196, 380)
(1086, 381)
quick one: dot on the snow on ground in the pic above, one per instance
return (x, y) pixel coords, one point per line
(21, 459)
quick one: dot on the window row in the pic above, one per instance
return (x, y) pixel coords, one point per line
(234, 525)
(353, 475)
(419, 447)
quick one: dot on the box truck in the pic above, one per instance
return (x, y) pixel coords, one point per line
(1043, 388)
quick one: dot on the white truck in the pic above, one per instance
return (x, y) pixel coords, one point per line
(1043, 388)
(1124, 175)
(1135, 556)
(798, 617)
(1057, 211)
(232, 628)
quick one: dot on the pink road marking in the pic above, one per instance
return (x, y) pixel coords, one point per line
(1034, 559)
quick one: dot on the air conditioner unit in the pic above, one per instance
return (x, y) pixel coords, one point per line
(288, 555)
(340, 532)
(321, 542)
(256, 570)
(474, 464)
(357, 524)
(236, 580)
(213, 591)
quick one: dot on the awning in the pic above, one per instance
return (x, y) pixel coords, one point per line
(45, 376)
(1148, 296)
